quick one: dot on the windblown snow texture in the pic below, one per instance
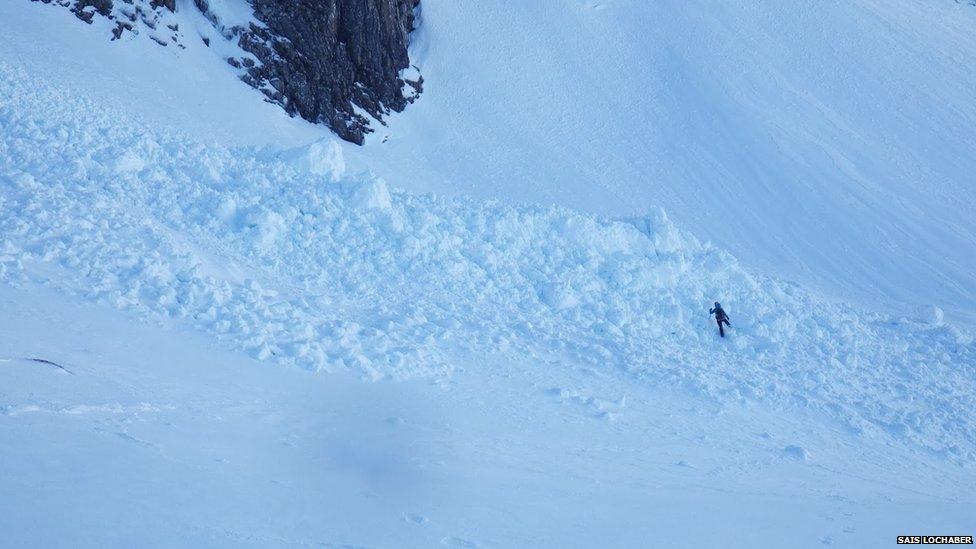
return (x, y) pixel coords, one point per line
(287, 257)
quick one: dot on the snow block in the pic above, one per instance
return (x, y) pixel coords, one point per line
(367, 192)
(322, 158)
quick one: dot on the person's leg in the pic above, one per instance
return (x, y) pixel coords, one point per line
(721, 331)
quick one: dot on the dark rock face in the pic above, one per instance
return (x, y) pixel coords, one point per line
(328, 61)
(102, 7)
(153, 16)
(84, 9)
(320, 58)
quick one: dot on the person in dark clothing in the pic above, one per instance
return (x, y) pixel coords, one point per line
(720, 317)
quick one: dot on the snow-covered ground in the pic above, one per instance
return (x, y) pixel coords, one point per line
(158, 437)
(830, 143)
(826, 143)
(285, 256)
(270, 347)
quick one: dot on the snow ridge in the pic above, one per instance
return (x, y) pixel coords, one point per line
(284, 255)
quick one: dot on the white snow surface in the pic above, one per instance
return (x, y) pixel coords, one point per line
(827, 143)
(349, 274)
(159, 438)
(219, 279)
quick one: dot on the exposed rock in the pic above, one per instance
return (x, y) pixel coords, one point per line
(322, 59)
(127, 14)
(81, 9)
(168, 4)
(336, 62)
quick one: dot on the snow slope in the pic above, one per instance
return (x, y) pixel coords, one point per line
(829, 143)
(191, 89)
(543, 375)
(345, 273)
(160, 438)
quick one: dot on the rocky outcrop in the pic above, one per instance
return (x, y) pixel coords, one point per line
(156, 17)
(321, 59)
(342, 63)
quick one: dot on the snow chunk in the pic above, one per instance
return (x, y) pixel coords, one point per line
(930, 314)
(265, 227)
(130, 162)
(367, 193)
(666, 238)
(227, 209)
(24, 181)
(558, 297)
(323, 158)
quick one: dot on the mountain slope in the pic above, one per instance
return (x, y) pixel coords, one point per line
(336, 62)
(829, 143)
(530, 362)
(159, 437)
(288, 258)
(823, 144)
(221, 332)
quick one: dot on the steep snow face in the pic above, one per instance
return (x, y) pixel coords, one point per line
(192, 89)
(285, 256)
(827, 142)
(332, 62)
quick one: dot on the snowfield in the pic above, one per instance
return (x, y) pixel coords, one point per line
(287, 258)
(160, 438)
(222, 328)
(828, 144)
